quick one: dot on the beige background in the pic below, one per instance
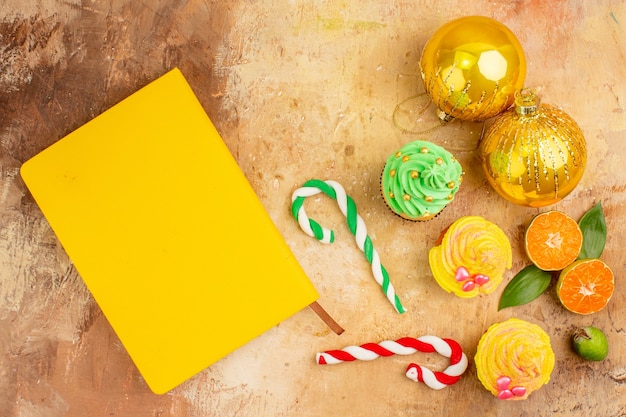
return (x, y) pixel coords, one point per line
(300, 90)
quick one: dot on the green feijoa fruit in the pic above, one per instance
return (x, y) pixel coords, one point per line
(528, 284)
(590, 343)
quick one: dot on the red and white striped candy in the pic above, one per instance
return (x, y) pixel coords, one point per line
(406, 346)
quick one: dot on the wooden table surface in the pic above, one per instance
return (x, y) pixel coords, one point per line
(301, 90)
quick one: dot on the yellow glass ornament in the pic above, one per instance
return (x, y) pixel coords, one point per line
(471, 68)
(533, 154)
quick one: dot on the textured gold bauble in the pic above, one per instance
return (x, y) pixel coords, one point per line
(471, 68)
(533, 154)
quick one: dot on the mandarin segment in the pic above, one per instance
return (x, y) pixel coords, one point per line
(586, 286)
(553, 240)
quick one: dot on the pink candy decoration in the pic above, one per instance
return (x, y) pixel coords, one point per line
(462, 274)
(503, 382)
(468, 285)
(481, 279)
(469, 281)
(506, 392)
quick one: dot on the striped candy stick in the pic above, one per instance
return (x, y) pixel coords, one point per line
(437, 380)
(406, 346)
(355, 223)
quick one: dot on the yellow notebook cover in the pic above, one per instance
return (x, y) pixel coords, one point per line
(167, 233)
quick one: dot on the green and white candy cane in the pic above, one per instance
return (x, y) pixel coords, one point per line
(355, 223)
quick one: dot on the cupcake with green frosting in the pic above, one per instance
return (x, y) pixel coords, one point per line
(420, 180)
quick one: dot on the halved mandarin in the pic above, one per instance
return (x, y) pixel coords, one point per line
(553, 240)
(586, 286)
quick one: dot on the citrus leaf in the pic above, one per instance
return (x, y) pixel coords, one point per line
(593, 226)
(528, 284)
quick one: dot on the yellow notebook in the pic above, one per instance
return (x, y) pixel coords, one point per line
(167, 233)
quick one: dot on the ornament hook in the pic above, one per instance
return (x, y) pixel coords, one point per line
(526, 101)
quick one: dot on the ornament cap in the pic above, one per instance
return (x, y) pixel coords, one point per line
(526, 101)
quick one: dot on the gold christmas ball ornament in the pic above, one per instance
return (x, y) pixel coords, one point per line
(533, 154)
(471, 68)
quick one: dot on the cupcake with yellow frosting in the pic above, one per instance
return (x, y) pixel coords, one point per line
(471, 257)
(420, 179)
(513, 359)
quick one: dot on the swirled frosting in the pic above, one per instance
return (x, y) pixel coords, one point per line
(472, 257)
(420, 179)
(514, 358)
